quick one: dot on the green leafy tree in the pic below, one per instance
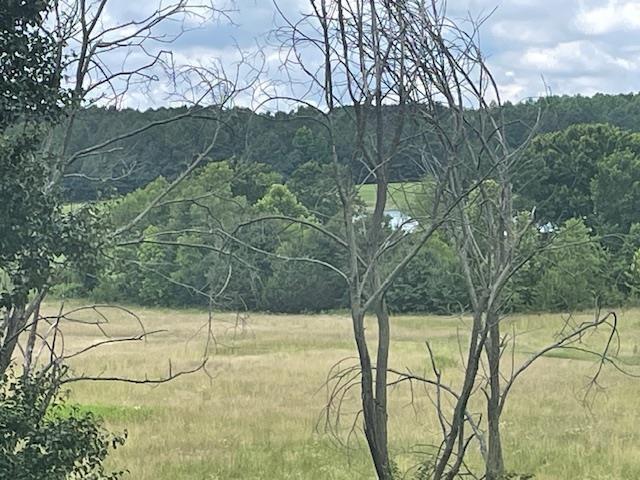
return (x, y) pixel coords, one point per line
(561, 166)
(31, 217)
(37, 239)
(285, 141)
(29, 83)
(573, 271)
(36, 234)
(431, 283)
(625, 265)
(298, 286)
(252, 181)
(313, 185)
(280, 200)
(616, 188)
(175, 256)
(154, 264)
(43, 438)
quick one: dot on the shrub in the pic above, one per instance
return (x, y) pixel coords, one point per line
(573, 271)
(42, 438)
(432, 282)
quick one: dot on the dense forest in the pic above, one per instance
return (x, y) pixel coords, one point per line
(283, 141)
(581, 177)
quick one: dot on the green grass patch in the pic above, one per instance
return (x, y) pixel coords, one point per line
(403, 196)
(632, 360)
(296, 459)
(113, 413)
(570, 354)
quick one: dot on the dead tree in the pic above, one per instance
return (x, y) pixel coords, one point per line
(473, 151)
(87, 39)
(463, 106)
(362, 65)
(356, 62)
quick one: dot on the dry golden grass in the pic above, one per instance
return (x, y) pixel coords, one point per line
(256, 417)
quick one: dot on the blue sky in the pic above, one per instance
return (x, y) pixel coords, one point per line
(567, 46)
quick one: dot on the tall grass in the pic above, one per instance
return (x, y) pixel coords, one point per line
(258, 414)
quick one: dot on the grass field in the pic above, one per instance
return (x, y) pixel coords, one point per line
(256, 417)
(403, 196)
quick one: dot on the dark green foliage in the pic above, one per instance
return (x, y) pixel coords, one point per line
(299, 286)
(573, 271)
(286, 141)
(42, 438)
(29, 228)
(616, 188)
(197, 261)
(295, 285)
(432, 282)
(182, 260)
(28, 77)
(280, 201)
(561, 166)
(158, 271)
(625, 265)
(252, 180)
(585, 171)
(35, 233)
(178, 255)
(313, 185)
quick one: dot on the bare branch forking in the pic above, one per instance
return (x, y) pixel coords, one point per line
(372, 71)
(88, 42)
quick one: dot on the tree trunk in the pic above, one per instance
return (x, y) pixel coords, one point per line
(374, 414)
(458, 419)
(495, 462)
(31, 342)
(15, 322)
(382, 361)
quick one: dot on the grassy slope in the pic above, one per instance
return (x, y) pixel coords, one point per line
(257, 417)
(401, 195)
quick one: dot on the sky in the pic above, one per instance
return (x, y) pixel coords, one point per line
(562, 46)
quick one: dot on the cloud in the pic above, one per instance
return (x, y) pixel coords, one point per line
(570, 47)
(576, 58)
(576, 46)
(615, 16)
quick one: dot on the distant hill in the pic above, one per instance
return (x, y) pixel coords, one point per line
(282, 140)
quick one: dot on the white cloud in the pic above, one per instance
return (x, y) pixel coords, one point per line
(615, 16)
(577, 46)
(577, 57)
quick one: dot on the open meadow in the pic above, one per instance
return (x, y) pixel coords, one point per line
(258, 415)
(403, 196)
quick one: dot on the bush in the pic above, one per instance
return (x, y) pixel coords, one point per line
(297, 286)
(41, 438)
(574, 271)
(432, 282)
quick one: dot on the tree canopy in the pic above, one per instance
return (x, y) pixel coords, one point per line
(286, 141)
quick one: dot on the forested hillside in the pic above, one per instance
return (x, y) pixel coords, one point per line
(284, 141)
(580, 177)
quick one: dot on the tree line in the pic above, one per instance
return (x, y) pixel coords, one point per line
(284, 141)
(581, 182)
